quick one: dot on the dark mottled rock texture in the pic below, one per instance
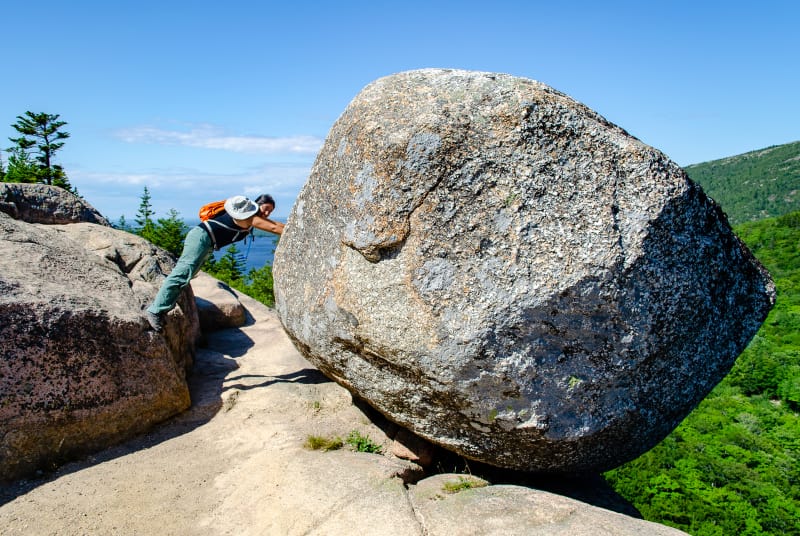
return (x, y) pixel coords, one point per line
(502, 271)
(80, 368)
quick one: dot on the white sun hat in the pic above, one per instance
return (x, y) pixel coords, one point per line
(240, 208)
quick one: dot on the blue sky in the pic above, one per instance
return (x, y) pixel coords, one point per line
(201, 100)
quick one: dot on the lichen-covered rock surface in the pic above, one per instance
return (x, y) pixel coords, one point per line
(502, 271)
(80, 368)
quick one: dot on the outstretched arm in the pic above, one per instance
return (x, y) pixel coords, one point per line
(268, 225)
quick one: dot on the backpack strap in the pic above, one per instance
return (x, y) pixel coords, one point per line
(207, 224)
(228, 227)
(211, 234)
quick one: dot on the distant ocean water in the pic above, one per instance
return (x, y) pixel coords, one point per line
(259, 251)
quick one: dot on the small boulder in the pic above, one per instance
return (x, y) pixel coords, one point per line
(408, 446)
(217, 306)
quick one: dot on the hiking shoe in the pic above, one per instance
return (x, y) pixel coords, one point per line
(156, 321)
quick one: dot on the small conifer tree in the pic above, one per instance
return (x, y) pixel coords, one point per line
(144, 217)
(40, 136)
(169, 233)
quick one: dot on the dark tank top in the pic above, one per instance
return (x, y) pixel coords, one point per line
(223, 231)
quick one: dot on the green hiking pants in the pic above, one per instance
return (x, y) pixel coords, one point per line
(196, 249)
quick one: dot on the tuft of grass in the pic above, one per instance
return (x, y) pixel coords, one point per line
(314, 442)
(463, 484)
(362, 443)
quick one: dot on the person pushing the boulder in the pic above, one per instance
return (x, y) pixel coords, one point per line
(233, 224)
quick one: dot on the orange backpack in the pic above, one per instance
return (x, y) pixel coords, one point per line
(212, 209)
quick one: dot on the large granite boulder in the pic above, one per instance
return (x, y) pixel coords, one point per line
(80, 367)
(502, 271)
(42, 203)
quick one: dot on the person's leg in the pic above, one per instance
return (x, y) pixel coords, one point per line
(196, 248)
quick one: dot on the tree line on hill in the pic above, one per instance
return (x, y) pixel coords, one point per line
(755, 185)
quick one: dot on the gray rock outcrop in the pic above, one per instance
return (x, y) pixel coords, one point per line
(81, 369)
(42, 203)
(510, 509)
(217, 305)
(247, 470)
(505, 273)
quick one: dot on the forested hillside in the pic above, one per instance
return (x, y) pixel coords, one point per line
(733, 466)
(754, 185)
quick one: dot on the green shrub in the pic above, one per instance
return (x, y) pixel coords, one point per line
(362, 443)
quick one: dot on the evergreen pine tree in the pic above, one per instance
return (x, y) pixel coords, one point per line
(169, 233)
(20, 167)
(122, 224)
(260, 285)
(144, 217)
(230, 266)
(41, 135)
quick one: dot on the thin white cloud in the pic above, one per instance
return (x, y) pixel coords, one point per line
(289, 177)
(209, 137)
(121, 179)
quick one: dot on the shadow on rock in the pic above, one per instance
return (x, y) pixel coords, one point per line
(307, 376)
(207, 381)
(233, 342)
